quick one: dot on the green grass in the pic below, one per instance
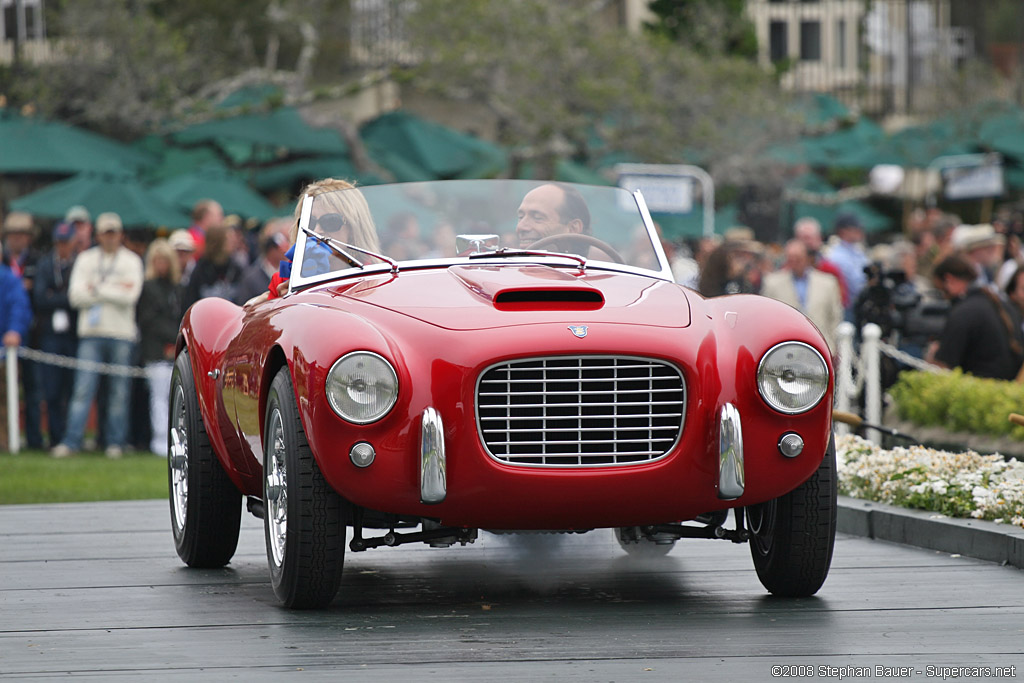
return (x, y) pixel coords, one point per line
(35, 477)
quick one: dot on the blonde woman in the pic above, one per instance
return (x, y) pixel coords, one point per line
(158, 315)
(344, 216)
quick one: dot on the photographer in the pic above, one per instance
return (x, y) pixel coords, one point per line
(983, 334)
(910, 312)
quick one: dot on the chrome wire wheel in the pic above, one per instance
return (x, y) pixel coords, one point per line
(178, 459)
(276, 488)
(761, 524)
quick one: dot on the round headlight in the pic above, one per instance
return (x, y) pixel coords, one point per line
(362, 387)
(792, 377)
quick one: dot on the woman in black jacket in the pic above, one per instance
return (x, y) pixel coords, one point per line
(158, 314)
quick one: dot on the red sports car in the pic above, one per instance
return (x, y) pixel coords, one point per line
(498, 355)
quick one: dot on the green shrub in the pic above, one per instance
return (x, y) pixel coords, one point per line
(959, 402)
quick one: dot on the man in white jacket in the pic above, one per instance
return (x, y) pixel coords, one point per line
(812, 292)
(105, 284)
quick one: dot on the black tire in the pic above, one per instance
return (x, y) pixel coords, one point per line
(632, 540)
(206, 507)
(792, 537)
(304, 519)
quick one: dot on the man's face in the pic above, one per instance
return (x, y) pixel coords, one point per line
(17, 242)
(538, 216)
(109, 240)
(952, 288)
(797, 259)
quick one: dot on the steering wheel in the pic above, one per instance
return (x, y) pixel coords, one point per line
(588, 240)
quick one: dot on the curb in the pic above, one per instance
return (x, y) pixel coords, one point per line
(980, 539)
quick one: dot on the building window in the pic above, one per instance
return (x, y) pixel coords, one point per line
(778, 41)
(841, 43)
(810, 41)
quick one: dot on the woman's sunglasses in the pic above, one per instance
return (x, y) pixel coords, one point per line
(329, 223)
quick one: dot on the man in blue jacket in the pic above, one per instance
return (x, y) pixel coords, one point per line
(15, 317)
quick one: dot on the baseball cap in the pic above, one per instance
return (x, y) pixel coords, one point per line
(63, 232)
(848, 220)
(77, 213)
(181, 240)
(107, 222)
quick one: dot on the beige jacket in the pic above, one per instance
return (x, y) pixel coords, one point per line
(824, 302)
(105, 288)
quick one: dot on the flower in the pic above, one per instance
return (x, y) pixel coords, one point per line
(955, 484)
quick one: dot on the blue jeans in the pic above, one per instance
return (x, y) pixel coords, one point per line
(57, 382)
(104, 350)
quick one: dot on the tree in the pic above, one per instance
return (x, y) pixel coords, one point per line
(127, 67)
(709, 27)
(563, 84)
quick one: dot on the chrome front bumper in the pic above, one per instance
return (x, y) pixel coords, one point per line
(730, 453)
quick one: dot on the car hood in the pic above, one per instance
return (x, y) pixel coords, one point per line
(484, 297)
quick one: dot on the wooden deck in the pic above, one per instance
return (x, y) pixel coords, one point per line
(96, 591)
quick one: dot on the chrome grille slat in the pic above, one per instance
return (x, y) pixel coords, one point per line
(574, 416)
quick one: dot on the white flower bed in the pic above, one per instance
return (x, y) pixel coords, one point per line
(954, 484)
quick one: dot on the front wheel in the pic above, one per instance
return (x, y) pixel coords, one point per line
(206, 507)
(793, 535)
(304, 519)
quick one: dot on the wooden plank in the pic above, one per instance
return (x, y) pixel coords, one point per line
(96, 589)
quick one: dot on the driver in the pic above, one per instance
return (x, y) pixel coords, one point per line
(548, 210)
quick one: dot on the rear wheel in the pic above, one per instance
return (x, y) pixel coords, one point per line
(206, 507)
(304, 519)
(793, 535)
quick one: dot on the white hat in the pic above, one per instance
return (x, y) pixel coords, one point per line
(970, 237)
(182, 240)
(108, 222)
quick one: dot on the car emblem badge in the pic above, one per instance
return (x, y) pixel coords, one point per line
(578, 330)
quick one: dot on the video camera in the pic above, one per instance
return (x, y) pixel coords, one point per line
(894, 304)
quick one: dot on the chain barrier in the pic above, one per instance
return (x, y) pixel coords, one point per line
(74, 363)
(907, 359)
(830, 198)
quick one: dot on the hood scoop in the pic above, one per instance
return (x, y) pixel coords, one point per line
(548, 299)
(544, 288)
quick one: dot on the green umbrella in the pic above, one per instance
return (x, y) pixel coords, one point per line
(229, 190)
(1004, 133)
(843, 148)
(289, 174)
(174, 161)
(259, 136)
(30, 145)
(675, 226)
(819, 110)
(122, 194)
(409, 146)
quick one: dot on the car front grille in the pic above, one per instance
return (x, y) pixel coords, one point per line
(585, 411)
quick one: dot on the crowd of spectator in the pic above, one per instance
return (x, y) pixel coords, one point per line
(105, 294)
(947, 292)
(101, 293)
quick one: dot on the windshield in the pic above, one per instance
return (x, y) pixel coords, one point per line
(409, 225)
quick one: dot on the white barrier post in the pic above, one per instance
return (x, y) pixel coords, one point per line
(13, 438)
(845, 389)
(871, 335)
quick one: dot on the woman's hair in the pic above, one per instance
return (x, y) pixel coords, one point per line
(1011, 285)
(216, 249)
(343, 197)
(161, 247)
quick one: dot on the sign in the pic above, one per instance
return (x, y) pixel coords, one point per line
(663, 193)
(668, 188)
(973, 182)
